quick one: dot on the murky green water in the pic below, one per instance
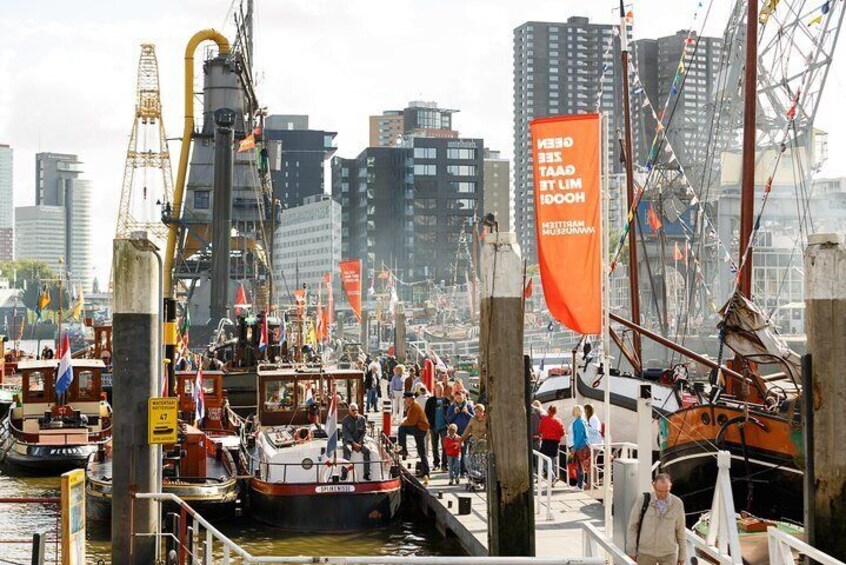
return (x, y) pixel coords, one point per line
(410, 534)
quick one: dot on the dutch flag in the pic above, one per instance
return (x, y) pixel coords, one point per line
(263, 336)
(332, 426)
(65, 373)
(199, 397)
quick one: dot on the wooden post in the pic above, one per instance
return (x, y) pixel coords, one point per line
(364, 333)
(825, 325)
(399, 333)
(511, 517)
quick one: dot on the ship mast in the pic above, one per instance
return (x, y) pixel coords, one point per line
(634, 292)
(747, 198)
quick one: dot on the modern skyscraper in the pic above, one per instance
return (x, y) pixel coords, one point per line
(497, 188)
(40, 235)
(58, 184)
(557, 70)
(7, 205)
(658, 63)
(307, 245)
(412, 207)
(303, 154)
(419, 119)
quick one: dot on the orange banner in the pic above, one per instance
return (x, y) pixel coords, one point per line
(566, 151)
(351, 279)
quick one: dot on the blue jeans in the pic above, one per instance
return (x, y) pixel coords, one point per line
(419, 439)
(454, 467)
(372, 400)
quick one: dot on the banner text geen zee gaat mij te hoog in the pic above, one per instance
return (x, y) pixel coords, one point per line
(566, 151)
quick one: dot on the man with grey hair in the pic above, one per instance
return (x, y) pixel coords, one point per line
(353, 432)
(656, 532)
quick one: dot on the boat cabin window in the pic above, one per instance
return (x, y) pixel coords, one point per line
(35, 389)
(88, 386)
(279, 396)
(306, 393)
(208, 386)
(347, 390)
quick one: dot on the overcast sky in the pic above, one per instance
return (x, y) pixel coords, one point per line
(68, 71)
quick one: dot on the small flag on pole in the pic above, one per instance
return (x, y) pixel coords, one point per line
(199, 397)
(65, 372)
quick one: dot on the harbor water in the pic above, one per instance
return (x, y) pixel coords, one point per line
(410, 534)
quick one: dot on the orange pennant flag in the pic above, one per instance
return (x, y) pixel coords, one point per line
(247, 143)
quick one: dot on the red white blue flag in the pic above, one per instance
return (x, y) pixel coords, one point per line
(199, 397)
(65, 374)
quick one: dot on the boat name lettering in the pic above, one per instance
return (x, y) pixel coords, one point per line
(334, 488)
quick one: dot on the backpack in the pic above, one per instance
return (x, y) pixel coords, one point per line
(646, 498)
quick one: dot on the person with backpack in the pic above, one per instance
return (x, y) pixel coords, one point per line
(656, 532)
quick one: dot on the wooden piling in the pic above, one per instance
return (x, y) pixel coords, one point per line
(511, 524)
(399, 334)
(825, 324)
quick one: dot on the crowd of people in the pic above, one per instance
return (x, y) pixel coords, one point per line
(443, 419)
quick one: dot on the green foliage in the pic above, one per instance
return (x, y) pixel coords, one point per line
(30, 275)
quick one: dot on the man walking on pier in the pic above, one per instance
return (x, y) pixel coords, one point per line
(415, 423)
(656, 533)
(397, 387)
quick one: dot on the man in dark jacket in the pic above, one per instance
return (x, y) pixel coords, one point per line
(436, 407)
(353, 432)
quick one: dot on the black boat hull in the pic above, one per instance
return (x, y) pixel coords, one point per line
(48, 460)
(322, 507)
(776, 482)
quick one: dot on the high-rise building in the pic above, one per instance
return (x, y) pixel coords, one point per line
(412, 208)
(376, 191)
(7, 205)
(557, 70)
(58, 184)
(303, 152)
(419, 119)
(658, 64)
(497, 189)
(40, 235)
(307, 245)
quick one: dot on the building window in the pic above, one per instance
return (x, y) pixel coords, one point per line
(463, 187)
(201, 199)
(462, 153)
(425, 170)
(462, 170)
(425, 153)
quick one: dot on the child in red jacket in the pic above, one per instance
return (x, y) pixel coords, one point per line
(452, 449)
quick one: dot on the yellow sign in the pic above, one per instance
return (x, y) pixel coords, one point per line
(73, 517)
(161, 420)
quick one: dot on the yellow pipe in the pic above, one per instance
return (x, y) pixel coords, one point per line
(187, 133)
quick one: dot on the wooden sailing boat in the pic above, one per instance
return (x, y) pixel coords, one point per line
(753, 417)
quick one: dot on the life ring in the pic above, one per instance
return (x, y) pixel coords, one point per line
(303, 435)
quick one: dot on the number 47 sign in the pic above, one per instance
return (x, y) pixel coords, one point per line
(161, 420)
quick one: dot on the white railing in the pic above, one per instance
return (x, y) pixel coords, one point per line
(595, 544)
(206, 539)
(623, 450)
(544, 481)
(782, 545)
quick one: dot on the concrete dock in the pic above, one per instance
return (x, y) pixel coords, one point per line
(558, 533)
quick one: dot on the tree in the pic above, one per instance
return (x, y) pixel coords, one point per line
(29, 275)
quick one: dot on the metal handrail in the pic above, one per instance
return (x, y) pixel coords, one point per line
(24, 438)
(593, 540)
(781, 544)
(203, 550)
(548, 479)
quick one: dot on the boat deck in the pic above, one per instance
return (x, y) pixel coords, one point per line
(215, 470)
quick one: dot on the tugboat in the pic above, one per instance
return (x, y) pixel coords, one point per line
(300, 479)
(50, 433)
(199, 468)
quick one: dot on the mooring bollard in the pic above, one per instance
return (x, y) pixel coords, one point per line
(464, 505)
(386, 418)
